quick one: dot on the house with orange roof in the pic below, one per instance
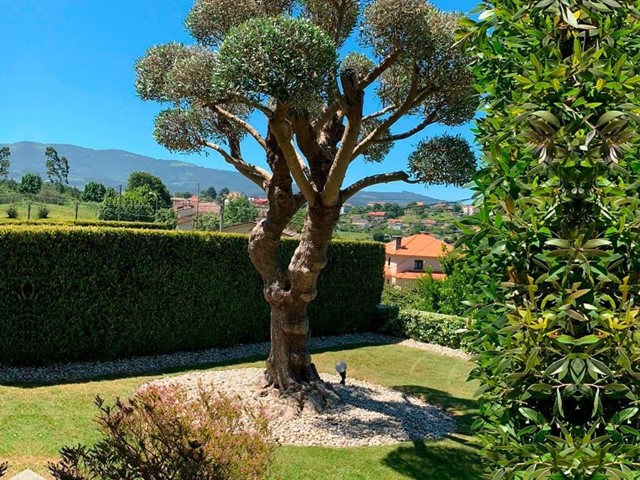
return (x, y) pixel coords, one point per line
(395, 224)
(409, 258)
(377, 216)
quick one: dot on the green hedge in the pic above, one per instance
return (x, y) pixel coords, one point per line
(85, 223)
(89, 293)
(447, 330)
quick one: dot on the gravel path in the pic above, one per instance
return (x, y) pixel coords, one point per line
(366, 415)
(67, 372)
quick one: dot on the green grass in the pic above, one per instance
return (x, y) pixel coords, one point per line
(86, 211)
(35, 422)
(352, 235)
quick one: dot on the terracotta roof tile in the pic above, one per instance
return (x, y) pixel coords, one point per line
(421, 245)
(416, 275)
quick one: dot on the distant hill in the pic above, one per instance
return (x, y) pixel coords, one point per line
(113, 167)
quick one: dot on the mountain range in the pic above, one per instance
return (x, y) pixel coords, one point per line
(113, 167)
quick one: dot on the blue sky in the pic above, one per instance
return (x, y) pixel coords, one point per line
(66, 76)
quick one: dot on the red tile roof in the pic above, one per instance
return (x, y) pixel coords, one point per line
(376, 214)
(421, 245)
(416, 275)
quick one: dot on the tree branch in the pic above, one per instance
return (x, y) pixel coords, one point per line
(379, 70)
(253, 104)
(327, 114)
(282, 132)
(332, 109)
(401, 136)
(354, 100)
(241, 123)
(388, 123)
(375, 180)
(379, 113)
(257, 175)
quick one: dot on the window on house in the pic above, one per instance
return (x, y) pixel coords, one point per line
(418, 264)
(389, 261)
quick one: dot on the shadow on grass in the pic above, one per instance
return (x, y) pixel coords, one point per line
(463, 410)
(118, 369)
(444, 461)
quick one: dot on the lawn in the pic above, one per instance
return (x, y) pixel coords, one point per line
(36, 421)
(352, 235)
(86, 211)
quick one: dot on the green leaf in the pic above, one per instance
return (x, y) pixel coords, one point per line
(608, 117)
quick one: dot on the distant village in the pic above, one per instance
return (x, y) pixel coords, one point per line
(374, 221)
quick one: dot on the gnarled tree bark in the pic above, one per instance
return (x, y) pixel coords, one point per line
(289, 288)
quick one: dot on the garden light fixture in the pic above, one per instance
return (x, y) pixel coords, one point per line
(341, 368)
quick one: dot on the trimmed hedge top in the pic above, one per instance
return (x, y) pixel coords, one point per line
(70, 293)
(84, 223)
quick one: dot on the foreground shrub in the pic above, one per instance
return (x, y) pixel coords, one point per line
(557, 237)
(12, 212)
(43, 212)
(91, 293)
(164, 434)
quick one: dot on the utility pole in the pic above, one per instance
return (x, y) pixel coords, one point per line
(119, 202)
(195, 221)
(77, 206)
(222, 200)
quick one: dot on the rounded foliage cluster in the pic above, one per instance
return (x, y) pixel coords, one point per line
(188, 129)
(287, 59)
(375, 152)
(209, 21)
(360, 64)
(445, 160)
(401, 25)
(324, 12)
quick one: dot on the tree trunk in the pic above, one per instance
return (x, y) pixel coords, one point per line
(289, 366)
(289, 290)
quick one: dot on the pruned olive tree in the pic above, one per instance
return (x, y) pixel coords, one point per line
(280, 59)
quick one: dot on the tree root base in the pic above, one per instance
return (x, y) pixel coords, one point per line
(302, 398)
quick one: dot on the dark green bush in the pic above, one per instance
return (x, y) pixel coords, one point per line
(43, 212)
(12, 212)
(446, 330)
(83, 293)
(387, 320)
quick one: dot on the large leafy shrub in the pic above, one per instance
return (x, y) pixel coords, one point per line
(556, 240)
(165, 433)
(71, 293)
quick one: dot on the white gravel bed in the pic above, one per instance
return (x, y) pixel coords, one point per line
(74, 371)
(366, 415)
